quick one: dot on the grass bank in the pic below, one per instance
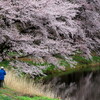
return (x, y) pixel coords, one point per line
(27, 88)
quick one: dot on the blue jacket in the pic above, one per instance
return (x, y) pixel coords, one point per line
(2, 74)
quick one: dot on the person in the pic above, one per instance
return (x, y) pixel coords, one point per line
(2, 76)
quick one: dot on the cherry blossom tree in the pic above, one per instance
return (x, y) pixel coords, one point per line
(47, 27)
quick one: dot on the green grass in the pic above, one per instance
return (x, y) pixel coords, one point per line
(4, 97)
(12, 53)
(34, 98)
(4, 63)
(96, 58)
(36, 64)
(81, 60)
(8, 94)
(64, 63)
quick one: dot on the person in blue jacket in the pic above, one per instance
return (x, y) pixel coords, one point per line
(2, 76)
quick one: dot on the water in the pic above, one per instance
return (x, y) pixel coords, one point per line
(88, 88)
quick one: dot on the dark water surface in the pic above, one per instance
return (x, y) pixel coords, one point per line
(78, 86)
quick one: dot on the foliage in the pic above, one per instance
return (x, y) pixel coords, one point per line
(45, 28)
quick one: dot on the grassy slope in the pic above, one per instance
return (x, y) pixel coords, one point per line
(83, 64)
(8, 94)
(51, 70)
